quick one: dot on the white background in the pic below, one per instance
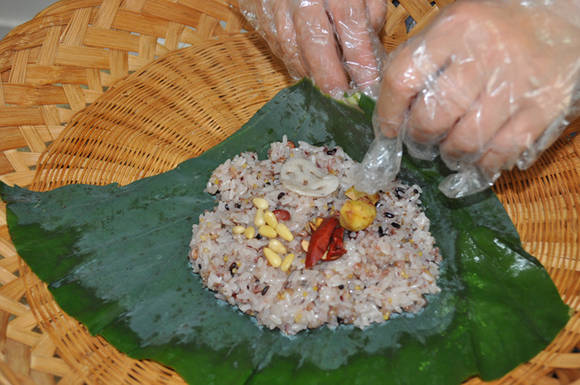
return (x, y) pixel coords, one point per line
(16, 12)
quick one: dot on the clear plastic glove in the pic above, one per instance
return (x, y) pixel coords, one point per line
(334, 42)
(488, 85)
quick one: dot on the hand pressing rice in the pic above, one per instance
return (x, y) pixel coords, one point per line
(252, 248)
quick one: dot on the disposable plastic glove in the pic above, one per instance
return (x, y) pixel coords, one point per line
(334, 42)
(489, 85)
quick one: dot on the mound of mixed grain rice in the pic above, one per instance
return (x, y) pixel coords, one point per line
(388, 267)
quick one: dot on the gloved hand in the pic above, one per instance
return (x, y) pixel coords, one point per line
(488, 85)
(334, 42)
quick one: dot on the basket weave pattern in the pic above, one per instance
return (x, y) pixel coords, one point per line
(76, 54)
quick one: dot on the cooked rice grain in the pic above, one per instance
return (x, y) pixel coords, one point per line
(388, 268)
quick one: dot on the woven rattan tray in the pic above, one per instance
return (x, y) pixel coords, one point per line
(80, 52)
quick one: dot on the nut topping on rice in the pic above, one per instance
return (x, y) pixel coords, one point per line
(387, 267)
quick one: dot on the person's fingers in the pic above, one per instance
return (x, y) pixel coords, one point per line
(262, 20)
(355, 36)
(469, 138)
(377, 11)
(405, 76)
(318, 47)
(286, 35)
(517, 135)
(443, 101)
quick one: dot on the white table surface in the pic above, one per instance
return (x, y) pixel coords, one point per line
(16, 12)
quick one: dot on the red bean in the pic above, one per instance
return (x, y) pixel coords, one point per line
(281, 215)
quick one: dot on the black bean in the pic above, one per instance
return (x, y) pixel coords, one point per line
(416, 191)
(331, 152)
(199, 265)
(259, 236)
(238, 206)
(389, 215)
(396, 225)
(265, 290)
(399, 191)
(281, 195)
(227, 207)
(381, 232)
(341, 287)
(233, 268)
(339, 320)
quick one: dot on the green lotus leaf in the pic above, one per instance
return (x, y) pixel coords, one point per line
(115, 258)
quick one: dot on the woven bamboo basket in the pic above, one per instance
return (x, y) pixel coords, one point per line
(81, 88)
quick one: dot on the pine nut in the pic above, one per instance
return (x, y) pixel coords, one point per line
(260, 203)
(284, 232)
(287, 262)
(277, 246)
(238, 229)
(272, 257)
(267, 231)
(270, 219)
(250, 232)
(259, 219)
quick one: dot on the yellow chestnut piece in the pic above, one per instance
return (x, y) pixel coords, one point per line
(357, 215)
(356, 195)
